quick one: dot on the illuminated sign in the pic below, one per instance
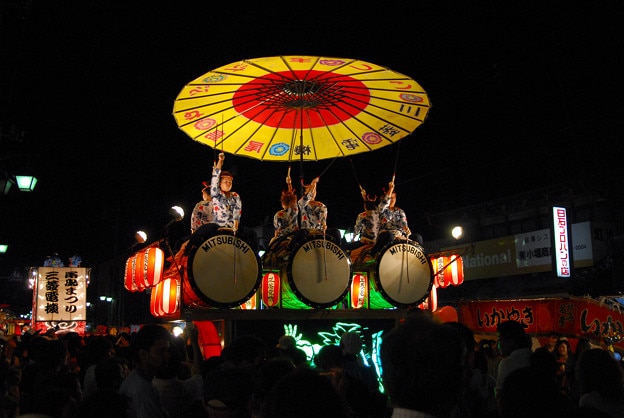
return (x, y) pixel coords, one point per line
(561, 250)
(61, 294)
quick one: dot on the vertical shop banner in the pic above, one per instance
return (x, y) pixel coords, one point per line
(60, 294)
(562, 249)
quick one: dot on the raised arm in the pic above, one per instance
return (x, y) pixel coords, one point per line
(384, 202)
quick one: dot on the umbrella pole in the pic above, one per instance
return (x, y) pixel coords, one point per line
(301, 177)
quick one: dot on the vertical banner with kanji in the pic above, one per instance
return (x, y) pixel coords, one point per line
(60, 294)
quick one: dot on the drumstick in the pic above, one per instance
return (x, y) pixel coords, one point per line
(234, 232)
(324, 255)
(407, 265)
(404, 265)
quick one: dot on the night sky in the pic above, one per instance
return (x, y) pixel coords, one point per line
(524, 94)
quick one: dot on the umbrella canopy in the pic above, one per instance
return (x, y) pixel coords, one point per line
(300, 108)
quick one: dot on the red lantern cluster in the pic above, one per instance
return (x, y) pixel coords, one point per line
(448, 270)
(165, 298)
(144, 269)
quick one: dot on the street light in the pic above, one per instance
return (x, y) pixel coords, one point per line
(176, 213)
(3, 248)
(26, 183)
(457, 232)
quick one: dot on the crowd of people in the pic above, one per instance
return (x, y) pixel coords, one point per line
(429, 369)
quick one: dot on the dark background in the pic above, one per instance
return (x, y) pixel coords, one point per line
(524, 95)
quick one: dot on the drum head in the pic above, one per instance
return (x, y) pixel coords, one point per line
(319, 272)
(224, 271)
(404, 274)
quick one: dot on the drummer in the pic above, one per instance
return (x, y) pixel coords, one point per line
(313, 217)
(286, 220)
(367, 222)
(392, 221)
(226, 209)
(202, 212)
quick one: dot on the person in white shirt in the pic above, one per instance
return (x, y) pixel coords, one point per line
(515, 347)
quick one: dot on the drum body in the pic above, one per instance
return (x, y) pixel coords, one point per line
(400, 276)
(316, 273)
(223, 272)
(319, 272)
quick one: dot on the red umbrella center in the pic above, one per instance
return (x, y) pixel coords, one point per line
(301, 99)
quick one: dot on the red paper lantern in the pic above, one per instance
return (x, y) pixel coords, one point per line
(164, 299)
(271, 289)
(250, 304)
(359, 290)
(144, 269)
(431, 303)
(209, 340)
(448, 270)
(129, 275)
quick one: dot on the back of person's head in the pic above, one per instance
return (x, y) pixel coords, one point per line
(583, 344)
(288, 198)
(423, 365)
(514, 332)
(74, 342)
(480, 362)
(599, 371)
(529, 392)
(34, 346)
(545, 361)
(176, 359)
(54, 354)
(99, 347)
(286, 342)
(304, 393)
(105, 403)
(228, 390)
(145, 338)
(329, 357)
(351, 343)
(110, 372)
(246, 350)
(488, 347)
(273, 370)
(465, 333)
(370, 204)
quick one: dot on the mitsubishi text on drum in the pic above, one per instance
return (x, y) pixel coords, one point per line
(226, 239)
(328, 245)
